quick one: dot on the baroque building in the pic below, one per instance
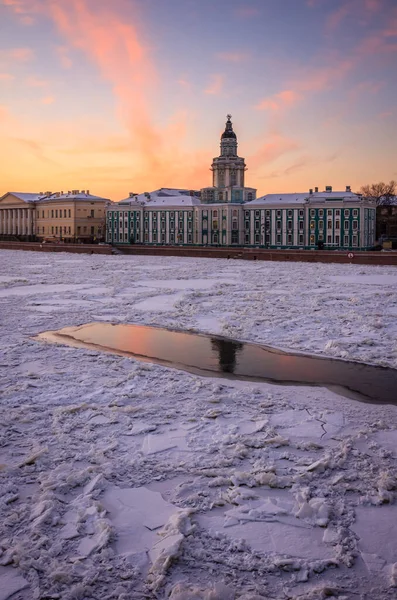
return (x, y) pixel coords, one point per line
(229, 214)
(228, 173)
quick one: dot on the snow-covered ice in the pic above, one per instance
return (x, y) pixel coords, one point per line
(126, 480)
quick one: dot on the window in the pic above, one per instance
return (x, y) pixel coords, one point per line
(337, 239)
(189, 238)
(301, 239)
(42, 214)
(84, 229)
(234, 237)
(172, 238)
(125, 236)
(312, 239)
(146, 237)
(312, 224)
(247, 224)
(257, 214)
(278, 238)
(52, 214)
(235, 225)
(337, 213)
(247, 238)
(321, 224)
(69, 213)
(257, 238)
(301, 225)
(355, 225)
(301, 214)
(346, 212)
(216, 238)
(64, 213)
(278, 225)
(329, 212)
(70, 230)
(268, 213)
(146, 225)
(267, 224)
(215, 224)
(279, 213)
(337, 224)
(64, 230)
(289, 224)
(355, 212)
(93, 231)
(290, 214)
(257, 225)
(78, 230)
(312, 213)
(346, 224)
(162, 214)
(289, 239)
(215, 213)
(355, 240)
(93, 213)
(155, 236)
(346, 240)
(321, 213)
(56, 230)
(329, 239)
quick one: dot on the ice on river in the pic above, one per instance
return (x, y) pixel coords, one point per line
(122, 479)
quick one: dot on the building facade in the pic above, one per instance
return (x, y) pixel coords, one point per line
(229, 214)
(329, 219)
(72, 216)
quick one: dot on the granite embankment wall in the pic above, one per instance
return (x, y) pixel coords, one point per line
(361, 258)
(74, 248)
(322, 256)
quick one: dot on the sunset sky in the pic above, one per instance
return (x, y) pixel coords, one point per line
(122, 96)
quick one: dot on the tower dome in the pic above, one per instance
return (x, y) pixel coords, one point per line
(228, 133)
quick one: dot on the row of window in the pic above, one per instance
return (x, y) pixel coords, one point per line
(67, 230)
(289, 239)
(320, 212)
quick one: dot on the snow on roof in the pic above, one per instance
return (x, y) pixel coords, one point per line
(164, 197)
(25, 196)
(302, 198)
(74, 195)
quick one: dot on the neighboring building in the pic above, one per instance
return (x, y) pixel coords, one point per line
(307, 221)
(71, 216)
(228, 173)
(386, 222)
(18, 215)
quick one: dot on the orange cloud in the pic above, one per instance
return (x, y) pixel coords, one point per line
(234, 57)
(4, 113)
(216, 85)
(277, 102)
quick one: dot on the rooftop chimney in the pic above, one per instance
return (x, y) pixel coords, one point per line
(328, 188)
(348, 188)
(310, 191)
(316, 190)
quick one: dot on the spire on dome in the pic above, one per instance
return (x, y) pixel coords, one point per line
(228, 133)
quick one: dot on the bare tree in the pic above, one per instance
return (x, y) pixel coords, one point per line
(381, 193)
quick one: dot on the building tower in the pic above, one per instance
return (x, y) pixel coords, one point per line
(228, 172)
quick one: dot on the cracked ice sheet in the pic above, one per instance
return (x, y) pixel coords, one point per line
(11, 583)
(92, 410)
(136, 514)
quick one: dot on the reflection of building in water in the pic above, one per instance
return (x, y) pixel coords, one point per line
(227, 353)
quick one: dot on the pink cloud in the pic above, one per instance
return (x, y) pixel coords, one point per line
(336, 17)
(17, 54)
(234, 57)
(216, 85)
(277, 102)
(64, 58)
(48, 100)
(276, 146)
(34, 81)
(246, 12)
(6, 77)
(4, 113)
